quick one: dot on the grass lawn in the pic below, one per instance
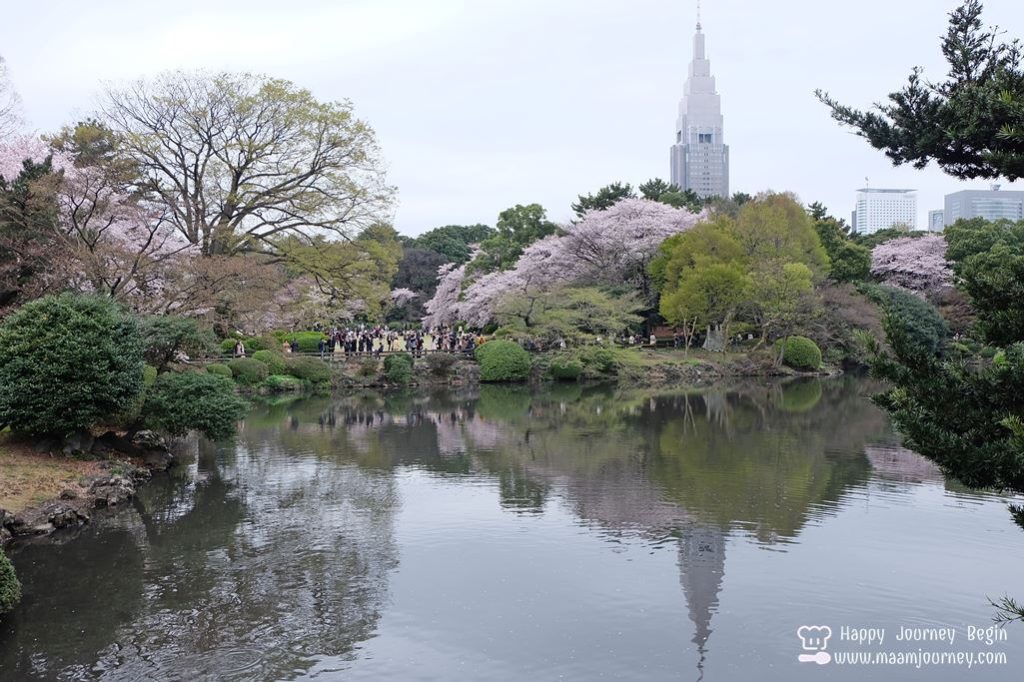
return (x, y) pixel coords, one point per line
(28, 478)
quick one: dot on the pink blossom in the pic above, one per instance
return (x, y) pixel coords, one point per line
(611, 246)
(914, 263)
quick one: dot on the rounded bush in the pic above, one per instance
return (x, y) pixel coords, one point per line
(273, 361)
(248, 372)
(503, 361)
(600, 359)
(10, 588)
(312, 370)
(440, 364)
(67, 363)
(219, 369)
(149, 374)
(398, 368)
(799, 352)
(566, 370)
(282, 383)
(179, 403)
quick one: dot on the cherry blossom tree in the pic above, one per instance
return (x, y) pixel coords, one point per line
(116, 245)
(613, 246)
(10, 104)
(917, 264)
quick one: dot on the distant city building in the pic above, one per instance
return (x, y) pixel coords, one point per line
(700, 157)
(936, 221)
(880, 209)
(990, 204)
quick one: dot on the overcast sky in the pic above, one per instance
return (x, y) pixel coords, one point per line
(483, 104)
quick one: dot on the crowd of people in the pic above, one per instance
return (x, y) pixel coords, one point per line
(366, 340)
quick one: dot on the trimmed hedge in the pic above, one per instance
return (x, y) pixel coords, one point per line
(566, 370)
(219, 369)
(273, 361)
(312, 370)
(67, 363)
(309, 342)
(248, 372)
(503, 361)
(799, 352)
(10, 588)
(398, 368)
(178, 403)
(282, 383)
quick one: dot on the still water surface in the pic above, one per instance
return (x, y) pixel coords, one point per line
(499, 534)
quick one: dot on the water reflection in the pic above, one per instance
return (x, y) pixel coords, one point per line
(274, 557)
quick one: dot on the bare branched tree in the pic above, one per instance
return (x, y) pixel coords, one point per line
(10, 103)
(243, 161)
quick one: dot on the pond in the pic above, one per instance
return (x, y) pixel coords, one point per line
(502, 534)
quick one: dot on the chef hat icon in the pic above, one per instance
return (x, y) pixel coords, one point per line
(814, 637)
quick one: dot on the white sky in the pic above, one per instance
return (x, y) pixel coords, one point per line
(480, 105)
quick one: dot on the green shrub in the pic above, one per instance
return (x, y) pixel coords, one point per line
(799, 352)
(600, 359)
(368, 369)
(165, 336)
(440, 364)
(273, 361)
(149, 374)
(503, 361)
(311, 370)
(219, 369)
(251, 343)
(248, 372)
(10, 588)
(68, 362)
(282, 383)
(309, 342)
(907, 314)
(566, 370)
(398, 368)
(181, 402)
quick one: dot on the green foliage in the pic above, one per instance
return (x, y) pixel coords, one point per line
(248, 372)
(454, 242)
(564, 369)
(219, 369)
(921, 322)
(311, 370)
(574, 314)
(251, 343)
(10, 588)
(602, 360)
(398, 368)
(850, 261)
(68, 362)
(200, 401)
(282, 383)
(440, 364)
(988, 259)
(517, 228)
(149, 375)
(503, 361)
(605, 198)
(969, 123)
(799, 352)
(274, 361)
(165, 336)
(309, 342)
(655, 187)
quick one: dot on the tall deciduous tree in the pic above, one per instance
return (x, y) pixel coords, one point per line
(242, 161)
(10, 103)
(517, 228)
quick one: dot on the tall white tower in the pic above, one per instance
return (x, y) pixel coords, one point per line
(700, 157)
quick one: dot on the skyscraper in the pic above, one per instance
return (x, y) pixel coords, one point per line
(700, 157)
(992, 204)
